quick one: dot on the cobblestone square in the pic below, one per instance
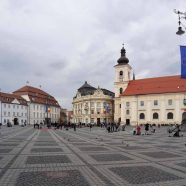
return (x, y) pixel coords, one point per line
(59, 157)
(47, 159)
(110, 157)
(143, 174)
(160, 154)
(35, 150)
(51, 178)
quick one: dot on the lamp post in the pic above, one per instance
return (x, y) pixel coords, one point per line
(181, 15)
(1, 106)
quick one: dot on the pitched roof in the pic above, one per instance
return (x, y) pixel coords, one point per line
(37, 95)
(158, 85)
(8, 98)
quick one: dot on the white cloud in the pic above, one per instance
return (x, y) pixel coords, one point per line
(60, 44)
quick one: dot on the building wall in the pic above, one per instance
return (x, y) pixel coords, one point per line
(37, 113)
(87, 109)
(132, 107)
(9, 111)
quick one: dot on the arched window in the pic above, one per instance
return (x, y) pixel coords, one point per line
(121, 90)
(155, 115)
(170, 115)
(142, 116)
(121, 73)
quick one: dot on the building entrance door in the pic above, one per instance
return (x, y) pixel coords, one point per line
(98, 121)
(127, 121)
(15, 121)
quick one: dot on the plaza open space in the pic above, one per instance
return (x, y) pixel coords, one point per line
(48, 157)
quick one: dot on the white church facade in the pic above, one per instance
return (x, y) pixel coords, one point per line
(152, 100)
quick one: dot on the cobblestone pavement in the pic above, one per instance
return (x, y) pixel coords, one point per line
(32, 157)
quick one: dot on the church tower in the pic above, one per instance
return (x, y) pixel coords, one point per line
(122, 77)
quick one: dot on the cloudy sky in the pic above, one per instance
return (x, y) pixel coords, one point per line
(59, 44)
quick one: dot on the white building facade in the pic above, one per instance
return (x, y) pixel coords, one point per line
(153, 100)
(41, 105)
(13, 109)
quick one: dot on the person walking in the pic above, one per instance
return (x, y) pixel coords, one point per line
(146, 129)
(74, 126)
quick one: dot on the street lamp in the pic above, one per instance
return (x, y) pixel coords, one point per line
(181, 15)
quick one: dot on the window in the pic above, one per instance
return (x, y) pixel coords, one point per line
(8, 113)
(127, 112)
(4, 113)
(8, 105)
(4, 120)
(98, 111)
(127, 104)
(170, 115)
(92, 120)
(4, 105)
(25, 114)
(13, 106)
(17, 113)
(155, 102)
(13, 113)
(119, 105)
(155, 116)
(21, 114)
(121, 90)
(17, 106)
(98, 104)
(92, 111)
(91, 104)
(121, 73)
(141, 103)
(170, 102)
(142, 116)
(21, 106)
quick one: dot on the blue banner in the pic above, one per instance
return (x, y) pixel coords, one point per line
(183, 61)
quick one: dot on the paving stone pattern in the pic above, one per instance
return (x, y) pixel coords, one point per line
(47, 157)
(5, 150)
(143, 174)
(160, 154)
(34, 150)
(51, 179)
(110, 157)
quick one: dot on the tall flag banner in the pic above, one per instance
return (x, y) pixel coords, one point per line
(47, 108)
(183, 61)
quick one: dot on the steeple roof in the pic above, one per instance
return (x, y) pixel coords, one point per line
(123, 59)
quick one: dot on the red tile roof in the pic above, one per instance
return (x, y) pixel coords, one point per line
(8, 98)
(37, 95)
(158, 85)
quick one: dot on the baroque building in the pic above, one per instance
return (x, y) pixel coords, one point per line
(93, 105)
(156, 100)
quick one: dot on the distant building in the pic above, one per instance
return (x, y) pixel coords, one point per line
(13, 109)
(42, 107)
(70, 116)
(63, 115)
(93, 105)
(152, 100)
